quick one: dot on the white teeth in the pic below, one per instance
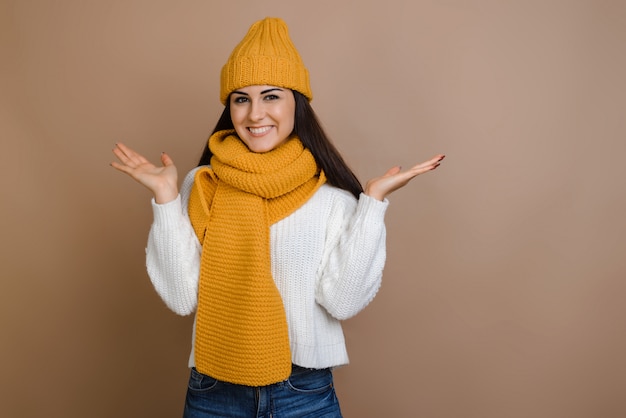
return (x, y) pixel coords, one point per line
(258, 131)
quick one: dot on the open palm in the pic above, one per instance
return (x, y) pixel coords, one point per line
(162, 181)
(395, 178)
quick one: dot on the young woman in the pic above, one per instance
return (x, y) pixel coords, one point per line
(271, 241)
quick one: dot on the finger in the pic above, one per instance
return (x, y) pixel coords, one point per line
(129, 156)
(426, 165)
(119, 153)
(122, 152)
(421, 170)
(433, 160)
(123, 149)
(166, 160)
(121, 167)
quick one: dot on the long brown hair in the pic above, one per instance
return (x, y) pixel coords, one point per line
(313, 137)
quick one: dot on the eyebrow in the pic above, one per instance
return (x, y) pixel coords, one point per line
(263, 92)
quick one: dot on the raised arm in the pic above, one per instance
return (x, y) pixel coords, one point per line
(395, 178)
(173, 251)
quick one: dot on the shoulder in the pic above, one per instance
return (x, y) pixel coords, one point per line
(185, 188)
(191, 174)
(335, 196)
(338, 203)
(330, 201)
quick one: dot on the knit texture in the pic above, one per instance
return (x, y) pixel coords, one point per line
(265, 56)
(327, 262)
(241, 328)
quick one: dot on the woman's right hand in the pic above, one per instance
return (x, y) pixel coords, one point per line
(161, 181)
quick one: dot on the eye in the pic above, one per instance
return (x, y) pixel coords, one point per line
(271, 97)
(240, 99)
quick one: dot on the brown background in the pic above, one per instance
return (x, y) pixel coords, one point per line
(504, 290)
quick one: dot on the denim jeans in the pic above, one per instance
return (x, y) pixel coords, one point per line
(306, 393)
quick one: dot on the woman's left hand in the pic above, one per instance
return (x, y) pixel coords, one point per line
(395, 178)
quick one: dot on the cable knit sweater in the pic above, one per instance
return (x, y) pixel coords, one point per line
(327, 262)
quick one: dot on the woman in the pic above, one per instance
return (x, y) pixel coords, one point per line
(271, 241)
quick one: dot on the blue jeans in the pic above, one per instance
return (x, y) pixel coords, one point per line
(306, 393)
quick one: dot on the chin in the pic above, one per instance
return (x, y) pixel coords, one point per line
(258, 148)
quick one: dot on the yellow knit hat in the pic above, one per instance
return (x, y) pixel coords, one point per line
(265, 56)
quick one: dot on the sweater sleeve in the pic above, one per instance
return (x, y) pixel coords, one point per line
(354, 257)
(173, 253)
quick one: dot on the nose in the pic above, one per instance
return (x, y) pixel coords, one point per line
(257, 111)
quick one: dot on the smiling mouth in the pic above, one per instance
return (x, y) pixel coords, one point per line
(259, 131)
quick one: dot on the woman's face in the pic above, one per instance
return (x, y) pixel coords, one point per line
(263, 116)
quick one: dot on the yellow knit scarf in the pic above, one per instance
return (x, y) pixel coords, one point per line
(241, 327)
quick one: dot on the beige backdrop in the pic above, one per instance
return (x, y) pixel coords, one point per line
(503, 293)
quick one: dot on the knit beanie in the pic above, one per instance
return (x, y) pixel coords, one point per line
(265, 56)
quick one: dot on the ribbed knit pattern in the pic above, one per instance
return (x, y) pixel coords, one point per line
(241, 328)
(265, 56)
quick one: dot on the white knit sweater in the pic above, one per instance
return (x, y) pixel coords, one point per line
(327, 262)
